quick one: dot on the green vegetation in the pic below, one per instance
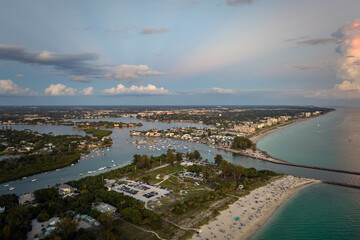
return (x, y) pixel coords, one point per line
(15, 168)
(15, 221)
(242, 143)
(42, 152)
(98, 132)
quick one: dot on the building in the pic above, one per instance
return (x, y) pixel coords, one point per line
(26, 198)
(105, 208)
(66, 190)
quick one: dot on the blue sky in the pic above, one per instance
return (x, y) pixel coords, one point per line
(180, 52)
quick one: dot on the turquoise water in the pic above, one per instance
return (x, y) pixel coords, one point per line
(331, 141)
(320, 211)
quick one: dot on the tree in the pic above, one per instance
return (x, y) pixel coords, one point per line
(107, 220)
(179, 156)
(241, 143)
(66, 228)
(197, 155)
(218, 159)
(170, 156)
(46, 194)
(17, 223)
(107, 235)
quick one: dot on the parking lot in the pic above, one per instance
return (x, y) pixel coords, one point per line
(143, 192)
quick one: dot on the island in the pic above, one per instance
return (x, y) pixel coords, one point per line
(35, 152)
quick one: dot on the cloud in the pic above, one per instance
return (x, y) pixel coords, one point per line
(8, 87)
(120, 89)
(318, 41)
(75, 63)
(348, 69)
(133, 72)
(234, 3)
(150, 30)
(87, 91)
(80, 67)
(60, 90)
(222, 90)
(19, 76)
(344, 90)
(79, 79)
(296, 39)
(305, 67)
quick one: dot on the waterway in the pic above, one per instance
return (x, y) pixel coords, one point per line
(123, 149)
(321, 211)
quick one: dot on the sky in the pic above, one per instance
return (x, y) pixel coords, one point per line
(180, 52)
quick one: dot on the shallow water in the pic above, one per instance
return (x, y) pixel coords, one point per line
(319, 211)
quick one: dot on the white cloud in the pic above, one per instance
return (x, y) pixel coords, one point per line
(222, 90)
(60, 90)
(348, 69)
(344, 90)
(87, 91)
(8, 87)
(124, 72)
(120, 89)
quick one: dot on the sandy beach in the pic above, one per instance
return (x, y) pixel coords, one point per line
(249, 213)
(258, 137)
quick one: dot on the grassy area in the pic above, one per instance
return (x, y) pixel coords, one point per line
(182, 192)
(129, 232)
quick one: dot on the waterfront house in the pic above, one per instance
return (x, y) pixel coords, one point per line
(26, 198)
(66, 190)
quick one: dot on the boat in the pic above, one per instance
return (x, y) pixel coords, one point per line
(6, 185)
(72, 164)
(57, 169)
(34, 180)
(12, 188)
(24, 178)
(81, 174)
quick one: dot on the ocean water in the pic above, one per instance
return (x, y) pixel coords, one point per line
(320, 211)
(331, 141)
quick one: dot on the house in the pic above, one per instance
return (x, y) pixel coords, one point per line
(26, 198)
(105, 208)
(66, 189)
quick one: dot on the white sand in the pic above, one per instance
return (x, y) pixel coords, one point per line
(253, 210)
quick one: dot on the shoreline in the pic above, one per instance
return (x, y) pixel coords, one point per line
(258, 137)
(241, 220)
(268, 217)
